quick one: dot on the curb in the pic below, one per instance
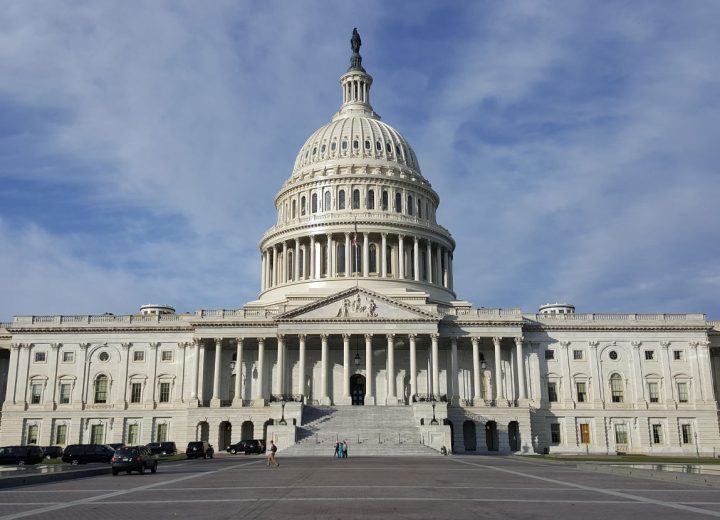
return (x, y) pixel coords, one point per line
(41, 478)
(667, 476)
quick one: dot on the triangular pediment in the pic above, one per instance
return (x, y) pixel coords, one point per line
(357, 304)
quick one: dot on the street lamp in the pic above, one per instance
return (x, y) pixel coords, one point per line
(434, 421)
(283, 422)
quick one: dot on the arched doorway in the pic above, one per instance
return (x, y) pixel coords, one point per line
(224, 435)
(514, 435)
(202, 431)
(469, 438)
(491, 436)
(267, 423)
(247, 430)
(357, 390)
(448, 422)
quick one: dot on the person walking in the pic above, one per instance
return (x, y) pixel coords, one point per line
(340, 450)
(271, 455)
(344, 445)
(337, 449)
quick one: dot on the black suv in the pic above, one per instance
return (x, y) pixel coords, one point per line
(247, 447)
(162, 448)
(197, 449)
(84, 453)
(52, 452)
(21, 455)
(133, 458)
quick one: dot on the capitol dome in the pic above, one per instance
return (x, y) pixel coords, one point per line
(356, 210)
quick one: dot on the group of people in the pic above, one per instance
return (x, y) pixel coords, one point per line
(341, 450)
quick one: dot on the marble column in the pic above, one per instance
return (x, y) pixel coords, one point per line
(328, 258)
(428, 263)
(154, 347)
(366, 255)
(383, 255)
(454, 397)
(348, 256)
(451, 282)
(499, 394)
(324, 398)
(238, 401)
(280, 369)
(125, 361)
(438, 265)
(445, 270)
(435, 367)
(522, 394)
(296, 261)
(416, 259)
(346, 368)
(264, 272)
(301, 367)
(477, 389)
(259, 399)
(413, 366)
(391, 397)
(401, 257)
(215, 401)
(285, 274)
(369, 380)
(274, 266)
(195, 371)
(312, 258)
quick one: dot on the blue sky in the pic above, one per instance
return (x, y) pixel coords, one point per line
(574, 145)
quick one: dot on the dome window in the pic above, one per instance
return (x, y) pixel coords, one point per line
(356, 199)
(398, 203)
(378, 146)
(397, 150)
(388, 147)
(367, 145)
(341, 199)
(333, 146)
(371, 199)
(314, 203)
(384, 200)
(356, 144)
(327, 206)
(322, 149)
(302, 205)
(410, 205)
(314, 150)
(344, 145)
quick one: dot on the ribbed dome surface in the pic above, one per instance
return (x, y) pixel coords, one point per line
(356, 136)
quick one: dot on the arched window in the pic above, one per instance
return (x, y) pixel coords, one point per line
(419, 211)
(290, 265)
(301, 263)
(101, 389)
(323, 262)
(356, 262)
(340, 258)
(384, 200)
(326, 205)
(388, 260)
(302, 205)
(398, 203)
(410, 205)
(341, 199)
(616, 388)
(356, 199)
(314, 203)
(294, 208)
(371, 199)
(372, 264)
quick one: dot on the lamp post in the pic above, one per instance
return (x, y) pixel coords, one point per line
(434, 421)
(283, 422)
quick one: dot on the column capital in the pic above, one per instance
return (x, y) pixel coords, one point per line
(518, 340)
(126, 345)
(182, 344)
(198, 342)
(565, 344)
(694, 344)
(55, 346)
(324, 337)
(434, 337)
(302, 337)
(401, 236)
(412, 336)
(475, 340)
(218, 342)
(496, 341)
(154, 345)
(368, 336)
(390, 336)
(346, 337)
(366, 233)
(416, 239)
(347, 234)
(15, 346)
(281, 337)
(593, 344)
(261, 341)
(239, 341)
(384, 234)
(636, 344)
(665, 344)
(84, 346)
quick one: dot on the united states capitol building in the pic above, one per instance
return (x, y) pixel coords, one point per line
(358, 334)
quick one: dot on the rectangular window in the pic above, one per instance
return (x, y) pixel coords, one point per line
(68, 357)
(549, 354)
(162, 430)
(678, 355)
(135, 392)
(133, 434)
(555, 433)
(139, 355)
(40, 357)
(97, 434)
(654, 392)
(649, 355)
(585, 433)
(621, 433)
(616, 389)
(552, 392)
(657, 433)
(581, 392)
(32, 435)
(686, 431)
(36, 393)
(166, 355)
(164, 392)
(61, 434)
(577, 355)
(682, 390)
(65, 393)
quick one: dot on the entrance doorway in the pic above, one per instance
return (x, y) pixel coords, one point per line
(491, 436)
(514, 435)
(357, 390)
(224, 435)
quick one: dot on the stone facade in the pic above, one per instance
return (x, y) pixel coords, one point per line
(357, 307)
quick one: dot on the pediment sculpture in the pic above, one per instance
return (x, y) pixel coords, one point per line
(355, 307)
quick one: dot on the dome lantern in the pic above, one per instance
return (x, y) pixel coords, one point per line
(356, 84)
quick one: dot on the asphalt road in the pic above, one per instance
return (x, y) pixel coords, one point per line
(394, 488)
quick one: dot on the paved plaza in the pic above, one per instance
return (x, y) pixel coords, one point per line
(447, 487)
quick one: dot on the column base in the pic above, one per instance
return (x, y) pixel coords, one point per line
(259, 402)
(237, 403)
(370, 400)
(193, 402)
(392, 400)
(502, 403)
(325, 401)
(215, 402)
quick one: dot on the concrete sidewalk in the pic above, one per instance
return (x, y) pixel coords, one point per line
(14, 476)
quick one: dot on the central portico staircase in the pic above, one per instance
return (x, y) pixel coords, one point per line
(367, 430)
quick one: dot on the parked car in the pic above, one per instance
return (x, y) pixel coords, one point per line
(84, 453)
(162, 448)
(133, 458)
(21, 455)
(52, 452)
(197, 449)
(247, 447)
